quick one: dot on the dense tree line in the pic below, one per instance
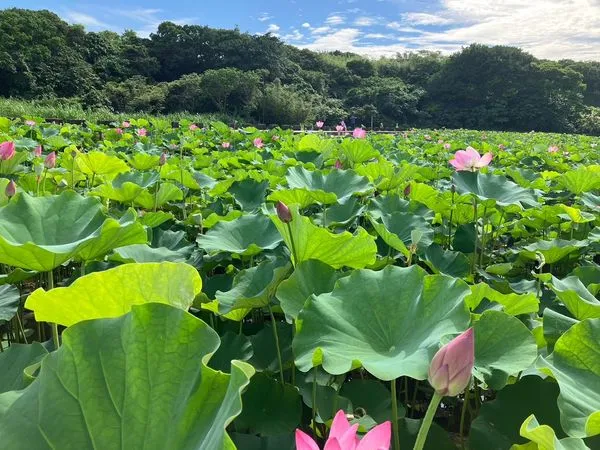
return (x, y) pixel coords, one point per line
(198, 69)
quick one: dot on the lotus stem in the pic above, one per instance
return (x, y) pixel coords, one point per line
(314, 400)
(462, 417)
(426, 425)
(294, 254)
(395, 428)
(276, 337)
(20, 323)
(54, 326)
(474, 260)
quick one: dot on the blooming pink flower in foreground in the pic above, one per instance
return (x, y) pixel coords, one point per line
(119, 130)
(126, 124)
(258, 143)
(50, 161)
(7, 150)
(30, 123)
(37, 152)
(470, 159)
(342, 436)
(450, 369)
(359, 133)
(447, 146)
(225, 145)
(283, 212)
(553, 149)
(142, 132)
(11, 189)
(320, 124)
(193, 127)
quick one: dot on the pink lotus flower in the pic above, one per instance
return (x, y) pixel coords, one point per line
(258, 143)
(470, 159)
(440, 141)
(50, 161)
(193, 127)
(126, 124)
(225, 145)
(339, 128)
(283, 212)
(142, 132)
(119, 130)
(7, 150)
(450, 369)
(342, 436)
(447, 146)
(30, 123)
(338, 164)
(275, 138)
(11, 189)
(359, 133)
(320, 124)
(163, 159)
(427, 137)
(553, 149)
(37, 152)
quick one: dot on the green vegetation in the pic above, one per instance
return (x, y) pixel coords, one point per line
(190, 69)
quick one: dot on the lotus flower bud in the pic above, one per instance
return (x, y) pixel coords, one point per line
(73, 153)
(11, 189)
(37, 152)
(453, 188)
(283, 212)
(163, 159)
(38, 169)
(338, 164)
(407, 190)
(450, 369)
(63, 183)
(7, 150)
(50, 161)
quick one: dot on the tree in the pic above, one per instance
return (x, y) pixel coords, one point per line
(229, 89)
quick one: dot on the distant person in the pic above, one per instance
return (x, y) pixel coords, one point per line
(353, 122)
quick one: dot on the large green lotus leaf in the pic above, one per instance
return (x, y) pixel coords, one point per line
(253, 288)
(309, 277)
(167, 192)
(372, 397)
(143, 161)
(9, 301)
(184, 177)
(16, 276)
(497, 425)
(575, 296)
(543, 437)
(155, 219)
(495, 187)
(302, 197)
(437, 439)
(341, 214)
(139, 381)
(100, 163)
(580, 180)
(337, 250)
(166, 245)
(249, 194)
(391, 322)
(447, 262)
(113, 292)
(397, 230)
(127, 193)
(589, 276)
(343, 183)
(504, 346)
(41, 233)
(248, 235)
(357, 151)
(555, 325)
(233, 346)
(14, 361)
(513, 304)
(553, 251)
(575, 364)
(265, 351)
(252, 442)
(143, 179)
(270, 408)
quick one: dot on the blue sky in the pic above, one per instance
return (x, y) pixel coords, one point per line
(552, 29)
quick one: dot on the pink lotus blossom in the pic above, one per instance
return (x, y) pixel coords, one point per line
(142, 132)
(275, 138)
(470, 159)
(283, 212)
(447, 146)
(119, 130)
(50, 161)
(37, 152)
(258, 143)
(225, 145)
(338, 164)
(163, 159)
(553, 149)
(126, 124)
(440, 141)
(451, 367)
(339, 128)
(320, 124)
(342, 436)
(11, 189)
(193, 127)
(30, 123)
(359, 133)
(7, 150)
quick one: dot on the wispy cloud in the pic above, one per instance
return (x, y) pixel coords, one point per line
(263, 17)
(335, 19)
(273, 28)
(365, 21)
(416, 18)
(85, 20)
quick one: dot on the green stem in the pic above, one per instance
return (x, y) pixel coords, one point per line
(54, 326)
(424, 431)
(294, 254)
(395, 428)
(276, 336)
(20, 323)
(462, 417)
(82, 268)
(314, 400)
(44, 182)
(474, 260)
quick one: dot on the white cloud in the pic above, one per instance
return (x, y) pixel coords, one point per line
(273, 28)
(365, 21)
(306, 25)
(425, 19)
(263, 17)
(295, 35)
(335, 20)
(321, 30)
(379, 36)
(397, 26)
(348, 40)
(85, 20)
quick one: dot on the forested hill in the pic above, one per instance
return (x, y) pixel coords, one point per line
(199, 69)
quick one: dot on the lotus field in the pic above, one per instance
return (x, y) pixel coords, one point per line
(209, 288)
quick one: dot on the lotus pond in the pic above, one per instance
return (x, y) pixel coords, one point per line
(210, 288)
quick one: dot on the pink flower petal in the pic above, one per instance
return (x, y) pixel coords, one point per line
(485, 160)
(379, 438)
(339, 425)
(333, 444)
(305, 442)
(457, 165)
